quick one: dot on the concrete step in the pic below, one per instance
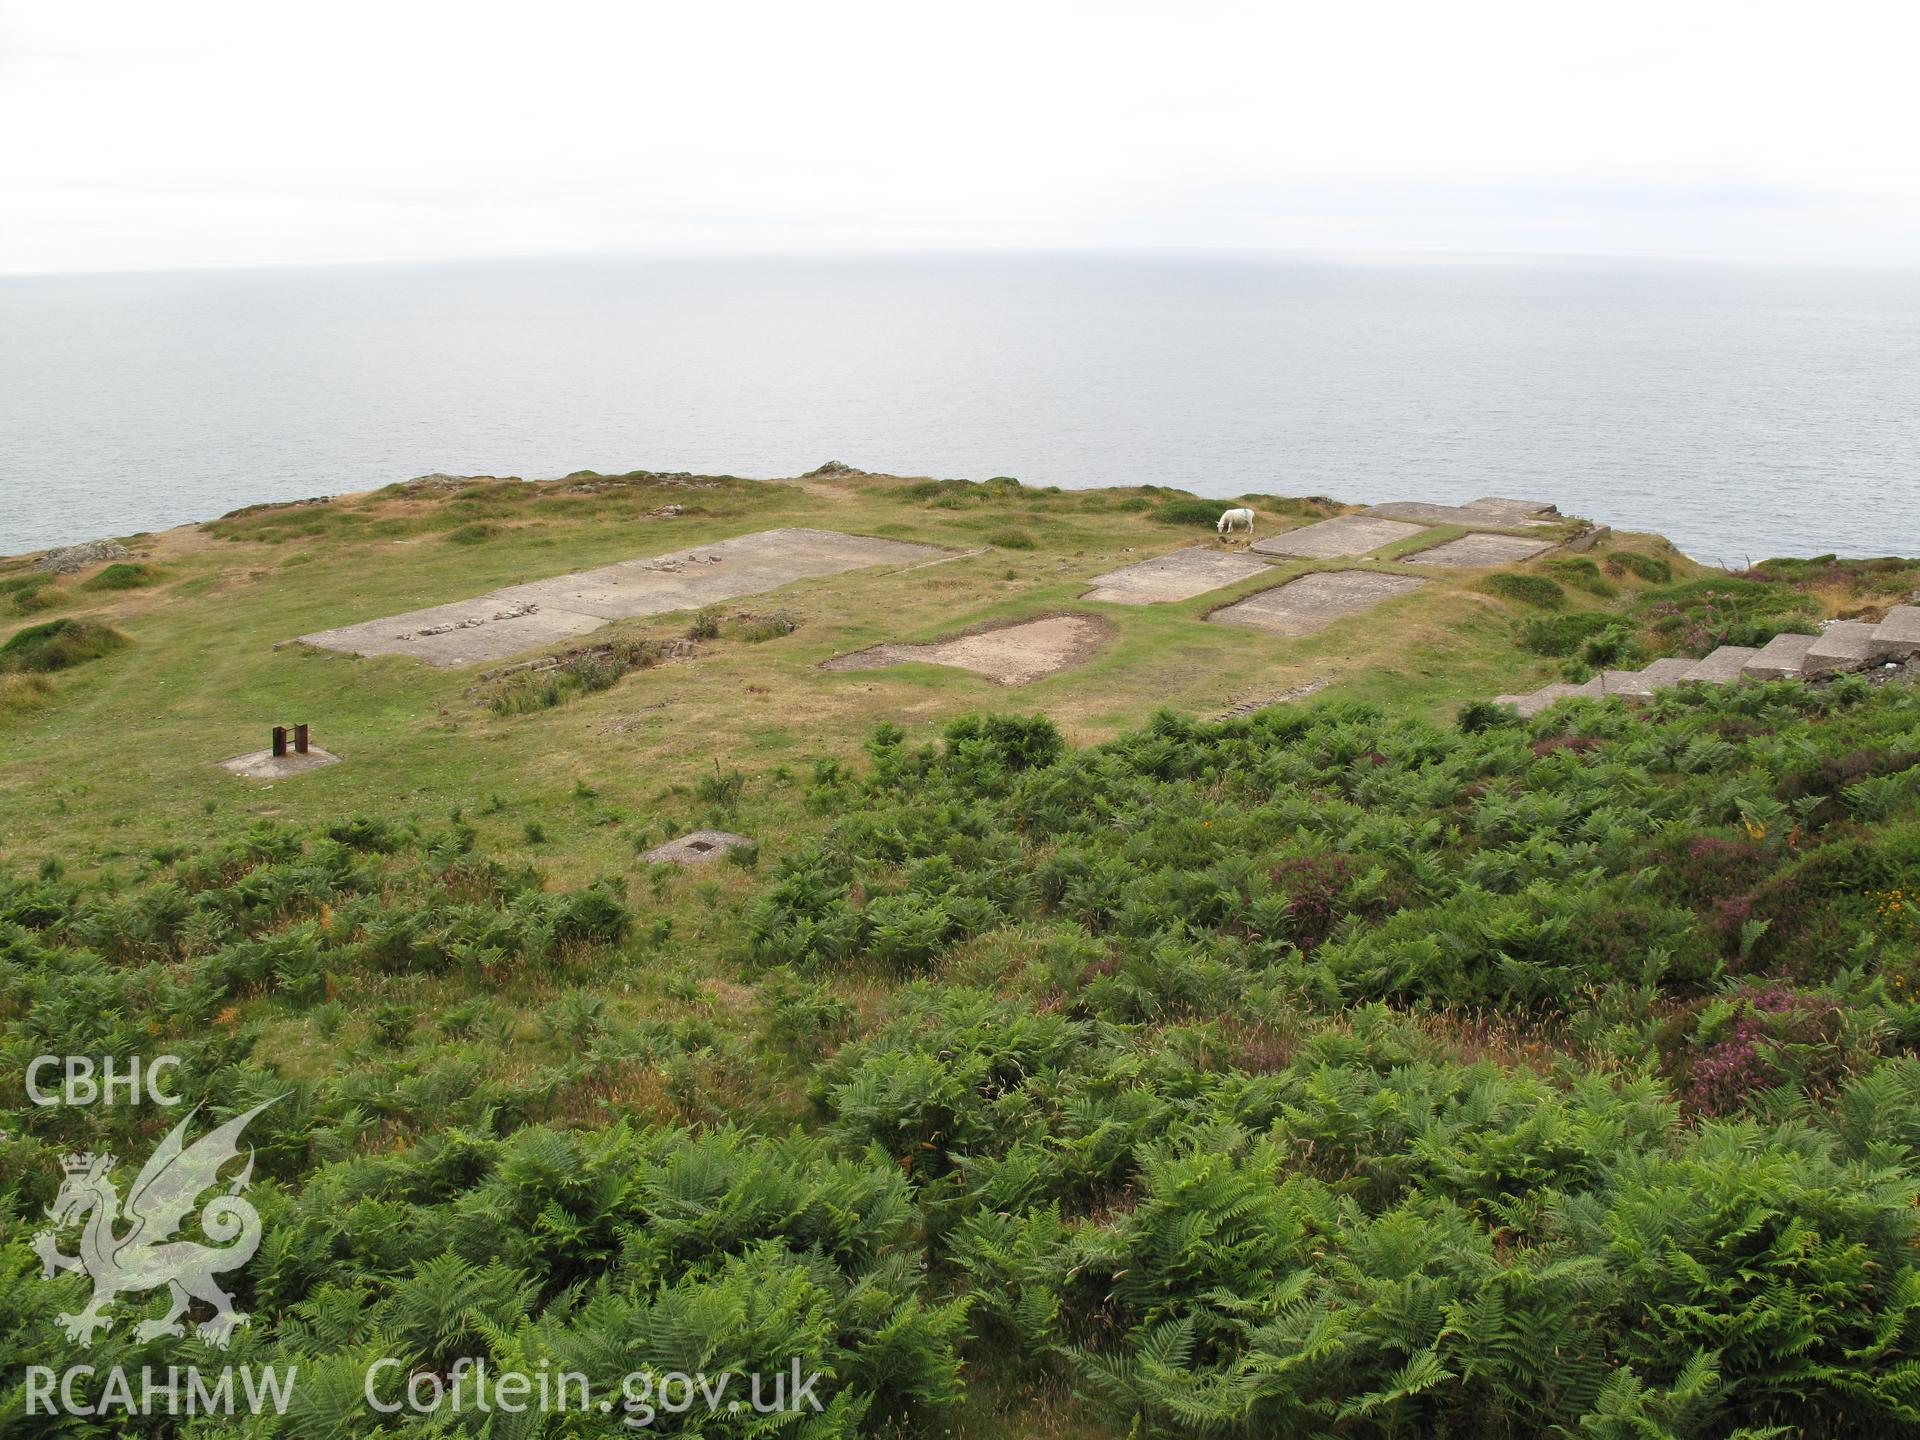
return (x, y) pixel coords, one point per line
(1531, 705)
(1639, 684)
(1723, 666)
(1843, 645)
(1897, 636)
(1780, 658)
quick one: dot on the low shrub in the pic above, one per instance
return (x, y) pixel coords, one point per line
(474, 534)
(1582, 574)
(1557, 636)
(1011, 540)
(1189, 512)
(1478, 715)
(1886, 575)
(755, 628)
(1535, 590)
(1699, 616)
(1649, 568)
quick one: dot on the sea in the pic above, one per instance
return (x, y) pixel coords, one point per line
(1743, 411)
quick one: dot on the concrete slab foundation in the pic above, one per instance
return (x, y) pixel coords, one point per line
(1179, 576)
(542, 612)
(1333, 539)
(265, 765)
(1313, 602)
(1469, 551)
(1008, 654)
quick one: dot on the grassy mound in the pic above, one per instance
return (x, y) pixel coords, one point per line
(122, 575)
(58, 645)
(28, 594)
(1535, 590)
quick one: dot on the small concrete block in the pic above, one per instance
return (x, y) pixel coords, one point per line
(1333, 539)
(1897, 636)
(1313, 602)
(1843, 645)
(1179, 576)
(1590, 538)
(265, 765)
(1639, 684)
(1780, 658)
(1723, 666)
(1469, 551)
(696, 848)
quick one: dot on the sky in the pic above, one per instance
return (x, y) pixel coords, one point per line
(143, 135)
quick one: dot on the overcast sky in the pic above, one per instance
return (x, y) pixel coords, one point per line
(137, 134)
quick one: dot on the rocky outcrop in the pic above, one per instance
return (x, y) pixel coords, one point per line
(68, 559)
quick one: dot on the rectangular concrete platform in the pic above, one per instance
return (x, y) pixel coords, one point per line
(1313, 602)
(1844, 645)
(517, 618)
(1897, 636)
(1723, 666)
(1489, 510)
(1470, 551)
(1780, 658)
(1179, 576)
(1337, 538)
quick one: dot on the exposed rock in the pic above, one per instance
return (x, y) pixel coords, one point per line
(70, 558)
(832, 467)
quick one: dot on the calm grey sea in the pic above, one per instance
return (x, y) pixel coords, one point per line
(1743, 412)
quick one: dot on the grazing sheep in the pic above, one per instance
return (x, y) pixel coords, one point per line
(1233, 519)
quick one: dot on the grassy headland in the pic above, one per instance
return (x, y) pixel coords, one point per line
(1338, 1069)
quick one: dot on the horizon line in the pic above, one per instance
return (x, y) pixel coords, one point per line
(1321, 253)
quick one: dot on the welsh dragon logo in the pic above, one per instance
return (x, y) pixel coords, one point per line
(145, 1256)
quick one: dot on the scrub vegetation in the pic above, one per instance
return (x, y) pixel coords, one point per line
(1381, 1066)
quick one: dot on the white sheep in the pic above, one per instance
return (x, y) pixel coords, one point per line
(1233, 519)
